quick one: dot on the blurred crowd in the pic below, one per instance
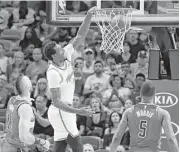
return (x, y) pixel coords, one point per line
(108, 83)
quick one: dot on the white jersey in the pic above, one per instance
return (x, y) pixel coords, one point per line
(63, 77)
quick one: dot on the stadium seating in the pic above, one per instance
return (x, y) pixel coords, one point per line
(9, 34)
(7, 44)
(94, 141)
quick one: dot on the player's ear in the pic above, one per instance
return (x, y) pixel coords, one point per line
(54, 56)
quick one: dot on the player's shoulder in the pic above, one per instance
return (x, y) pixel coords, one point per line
(11, 101)
(12, 98)
(162, 111)
(128, 111)
(68, 47)
(24, 109)
(52, 70)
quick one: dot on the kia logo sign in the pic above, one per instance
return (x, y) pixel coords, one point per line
(165, 99)
(175, 128)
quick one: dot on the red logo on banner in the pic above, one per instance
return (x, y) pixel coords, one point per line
(165, 99)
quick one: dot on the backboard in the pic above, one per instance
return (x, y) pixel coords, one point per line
(155, 13)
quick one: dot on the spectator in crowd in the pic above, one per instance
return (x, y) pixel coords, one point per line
(73, 31)
(111, 66)
(28, 53)
(126, 55)
(43, 30)
(88, 68)
(3, 91)
(42, 124)
(22, 17)
(144, 39)
(76, 7)
(4, 61)
(140, 78)
(88, 148)
(96, 124)
(39, 66)
(114, 120)
(79, 63)
(4, 17)
(60, 35)
(81, 120)
(42, 127)
(126, 73)
(98, 82)
(136, 46)
(142, 64)
(128, 104)
(30, 37)
(16, 64)
(116, 96)
(42, 88)
(79, 76)
(99, 54)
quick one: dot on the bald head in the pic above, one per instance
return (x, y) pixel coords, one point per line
(23, 85)
(148, 89)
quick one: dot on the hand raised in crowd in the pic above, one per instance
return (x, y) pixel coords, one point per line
(115, 91)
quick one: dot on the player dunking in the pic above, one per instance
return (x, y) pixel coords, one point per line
(20, 120)
(60, 76)
(145, 121)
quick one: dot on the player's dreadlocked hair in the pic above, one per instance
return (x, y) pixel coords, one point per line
(48, 50)
(17, 84)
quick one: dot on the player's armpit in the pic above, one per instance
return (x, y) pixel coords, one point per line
(120, 131)
(168, 130)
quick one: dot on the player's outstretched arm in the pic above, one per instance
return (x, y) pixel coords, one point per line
(119, 132)
(54, 80)
(58, 103)
(83, 30)
(168, 130)
(26, 124)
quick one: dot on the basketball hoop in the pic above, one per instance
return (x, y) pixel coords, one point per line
(113, 25)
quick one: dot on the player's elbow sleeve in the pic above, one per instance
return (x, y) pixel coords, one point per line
(21, 136)
(26, 137)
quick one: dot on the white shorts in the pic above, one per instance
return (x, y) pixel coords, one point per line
(63, 123)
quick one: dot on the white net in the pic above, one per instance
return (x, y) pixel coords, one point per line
(113, 26)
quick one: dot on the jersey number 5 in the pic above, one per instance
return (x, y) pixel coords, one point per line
(142, 128)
